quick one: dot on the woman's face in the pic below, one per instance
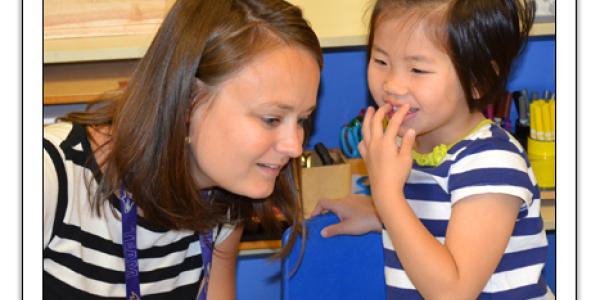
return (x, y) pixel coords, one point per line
(243, 136)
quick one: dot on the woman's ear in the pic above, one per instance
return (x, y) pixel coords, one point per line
(201, 98)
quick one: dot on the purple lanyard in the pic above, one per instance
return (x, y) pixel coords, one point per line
(132, 274)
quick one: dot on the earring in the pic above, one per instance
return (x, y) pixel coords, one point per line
(188, 140)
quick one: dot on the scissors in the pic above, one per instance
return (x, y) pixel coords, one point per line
(351, 135)
(361, 185)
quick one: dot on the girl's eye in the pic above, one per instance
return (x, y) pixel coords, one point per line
(419, 71)
(379, 62)
(271, 121)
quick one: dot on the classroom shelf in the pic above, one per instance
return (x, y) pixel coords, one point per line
(78, 69)
(337, 31)
(334, 29)
(84, 82)
(259, 247)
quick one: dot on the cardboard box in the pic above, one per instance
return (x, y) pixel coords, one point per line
(318, 181)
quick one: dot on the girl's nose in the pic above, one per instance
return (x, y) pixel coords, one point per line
(290, 142)
(395, 86)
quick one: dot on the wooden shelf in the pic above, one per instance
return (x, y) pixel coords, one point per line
(548, 194)
(548, 208)
(80, 83)
(260, 247)
(543, 29)
(79, 69)
(89, 49)
(548, 212)
(334, 29)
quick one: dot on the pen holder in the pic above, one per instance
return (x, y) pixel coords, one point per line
(324, 181)
(541, 154)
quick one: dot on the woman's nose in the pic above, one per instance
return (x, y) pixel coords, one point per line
(290, 142)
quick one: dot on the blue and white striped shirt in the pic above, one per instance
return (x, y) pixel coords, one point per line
(489, 160)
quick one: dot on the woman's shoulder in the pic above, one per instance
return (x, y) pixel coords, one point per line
(57, 132)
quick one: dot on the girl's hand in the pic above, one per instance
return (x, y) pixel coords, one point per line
(388, 165)
(356, 212)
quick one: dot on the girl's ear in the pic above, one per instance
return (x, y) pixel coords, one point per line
(475, 93)
(495, 67)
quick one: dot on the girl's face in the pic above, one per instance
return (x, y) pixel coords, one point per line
(243, 136)
(406, 67)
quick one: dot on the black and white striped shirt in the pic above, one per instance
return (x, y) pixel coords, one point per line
(83, 257)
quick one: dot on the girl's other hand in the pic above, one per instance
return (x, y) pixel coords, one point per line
(388, 165)
(356, 212)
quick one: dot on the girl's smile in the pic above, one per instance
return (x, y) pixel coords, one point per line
(409, 115)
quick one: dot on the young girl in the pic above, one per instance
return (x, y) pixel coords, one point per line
(147, 194)
(458, 200)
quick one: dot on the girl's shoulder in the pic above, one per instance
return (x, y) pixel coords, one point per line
(490, 137)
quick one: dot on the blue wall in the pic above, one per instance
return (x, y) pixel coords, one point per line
(343, 92)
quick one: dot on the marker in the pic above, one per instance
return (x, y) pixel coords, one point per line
(552, 108)
(547, 131)
(534, 96)
(533, 129)
(537, 112)
(523, 109)
(515, 96)
(547, 95)
(323, 154)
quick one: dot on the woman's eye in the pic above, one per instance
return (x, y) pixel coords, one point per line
(303, 121)
(271, 121)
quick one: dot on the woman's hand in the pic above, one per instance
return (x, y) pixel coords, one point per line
(356, 212)
(388, 165)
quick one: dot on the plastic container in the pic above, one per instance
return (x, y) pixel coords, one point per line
(541, 154)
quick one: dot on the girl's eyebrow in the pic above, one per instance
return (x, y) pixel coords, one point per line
(418, 58)
(379, 49)
(415, 58)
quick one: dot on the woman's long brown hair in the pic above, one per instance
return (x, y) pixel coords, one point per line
(207, 40)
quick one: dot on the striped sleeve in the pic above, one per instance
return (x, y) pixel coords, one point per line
(490, 169)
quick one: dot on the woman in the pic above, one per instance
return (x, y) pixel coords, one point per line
(149, 189)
